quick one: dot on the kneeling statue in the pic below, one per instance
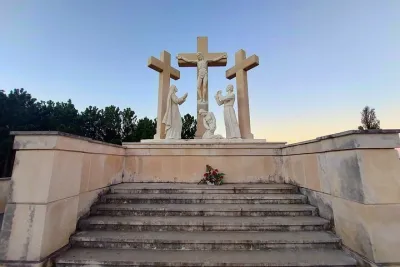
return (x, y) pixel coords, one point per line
(210, 124)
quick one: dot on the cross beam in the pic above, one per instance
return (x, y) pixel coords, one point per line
(166, 71)
(202, 46)
(242, 65)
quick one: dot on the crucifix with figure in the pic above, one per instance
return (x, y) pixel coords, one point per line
(202, 60)
(163, 66)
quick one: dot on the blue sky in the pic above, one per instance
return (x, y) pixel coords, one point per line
(321, 62)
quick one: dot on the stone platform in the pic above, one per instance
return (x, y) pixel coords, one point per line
(208, 141)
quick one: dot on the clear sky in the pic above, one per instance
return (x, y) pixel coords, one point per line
(321, 62)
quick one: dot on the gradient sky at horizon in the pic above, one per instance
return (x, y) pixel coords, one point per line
(321, 62)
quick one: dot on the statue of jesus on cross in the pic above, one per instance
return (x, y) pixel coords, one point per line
(202, 78)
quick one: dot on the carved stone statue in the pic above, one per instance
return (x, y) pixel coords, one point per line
(172, 118)
(231, 124)
(210, 125)
(202, 78)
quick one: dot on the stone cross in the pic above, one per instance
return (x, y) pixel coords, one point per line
(166, 71)
(242, 65)
(202, 46)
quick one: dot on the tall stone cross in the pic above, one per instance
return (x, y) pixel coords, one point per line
(166, 71)
(242, 65)
(213, 60)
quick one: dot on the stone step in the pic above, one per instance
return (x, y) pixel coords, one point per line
(165, 188)
(205, 198)
(204, 210)
(193, 223)
(204, 240)
(285, 257)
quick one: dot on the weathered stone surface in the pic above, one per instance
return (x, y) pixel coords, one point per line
(60, 222)
(56, 178)
(204, 210)
(94, 257)
(205, 199)
(4, 193)
(66, 175)
(22, 232)
(348, 140)
(320, 200)
(345, 175)
(380, 171)
(371, 230)
(87, 199)
(236, 241)
(32, 176)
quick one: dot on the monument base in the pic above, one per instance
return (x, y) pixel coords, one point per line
(184, 161)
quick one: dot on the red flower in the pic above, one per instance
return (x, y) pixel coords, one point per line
(216, 170)
(205, 175)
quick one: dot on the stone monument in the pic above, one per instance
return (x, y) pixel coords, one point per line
(242, 65)
(210, 125)
(166, 71)
(202, 59)
(172, 118)
(231, 124)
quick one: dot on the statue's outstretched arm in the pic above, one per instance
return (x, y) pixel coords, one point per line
(218, 58)
(186, 60)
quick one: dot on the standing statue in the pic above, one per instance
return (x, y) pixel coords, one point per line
(210, 125)
(172, 118)
(231, 124)
(202, 78)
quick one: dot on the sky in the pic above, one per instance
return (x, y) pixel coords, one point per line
(321, 62)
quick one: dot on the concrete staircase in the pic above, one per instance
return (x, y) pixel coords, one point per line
(198, 225)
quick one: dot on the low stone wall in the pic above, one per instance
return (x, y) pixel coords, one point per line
(242, 163)
(4, 191)
(354, 179)
(56, 178)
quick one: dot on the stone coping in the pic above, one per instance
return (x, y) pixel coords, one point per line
(346, 133)
(208, 141)
(201, 146)
(64, 135)
(198, 142)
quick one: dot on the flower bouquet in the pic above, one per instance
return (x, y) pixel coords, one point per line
(212, 176)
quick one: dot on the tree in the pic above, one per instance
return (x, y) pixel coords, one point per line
(368, 119)
(111, 125)
(145, 129)
(91, 123)
(59, 116)
(128, 125)
(189, 127)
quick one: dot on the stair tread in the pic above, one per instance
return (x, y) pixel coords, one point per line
(201, 186)
(206, 196)
(211, 220)
(207, 207)
(208, 237)
(283, 257)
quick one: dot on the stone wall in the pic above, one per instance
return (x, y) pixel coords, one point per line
(242, 163)
(56, 178)
(354, 179)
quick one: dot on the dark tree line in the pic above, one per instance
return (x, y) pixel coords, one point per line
(19, 111)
